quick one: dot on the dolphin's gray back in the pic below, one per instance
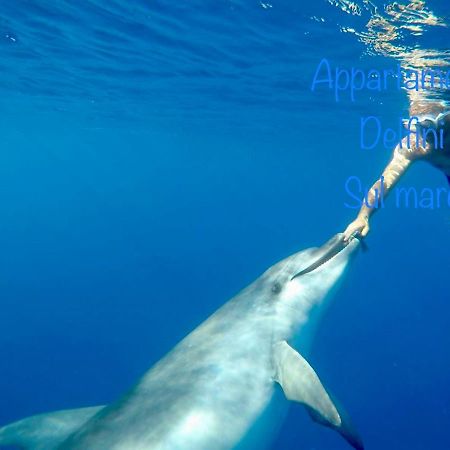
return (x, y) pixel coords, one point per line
(203, 395)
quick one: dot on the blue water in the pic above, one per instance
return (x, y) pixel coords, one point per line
(156, 157)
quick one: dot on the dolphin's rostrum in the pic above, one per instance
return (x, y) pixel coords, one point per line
(211, 391)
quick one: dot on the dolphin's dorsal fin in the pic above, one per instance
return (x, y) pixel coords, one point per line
(46, 431)
(301, 384)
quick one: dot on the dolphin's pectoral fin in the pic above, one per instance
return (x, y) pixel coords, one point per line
(346, 430)
(301, 384)
(45, 431)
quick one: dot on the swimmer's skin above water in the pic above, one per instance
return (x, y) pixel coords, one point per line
(404, 154)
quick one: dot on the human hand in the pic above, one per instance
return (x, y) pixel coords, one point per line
(359, 226)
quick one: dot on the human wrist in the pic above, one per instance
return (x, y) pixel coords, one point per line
(364, 215)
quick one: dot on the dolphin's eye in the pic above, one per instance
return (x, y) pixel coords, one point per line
(276, 288)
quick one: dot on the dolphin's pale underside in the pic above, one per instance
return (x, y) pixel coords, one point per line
(211, 390)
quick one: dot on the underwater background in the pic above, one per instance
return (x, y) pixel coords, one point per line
(156, 157)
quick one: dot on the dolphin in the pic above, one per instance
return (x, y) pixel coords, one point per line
(222, 386)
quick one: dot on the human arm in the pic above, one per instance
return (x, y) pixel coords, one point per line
(391, 175)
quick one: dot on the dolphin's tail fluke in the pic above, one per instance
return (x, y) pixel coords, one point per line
(45, 431)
